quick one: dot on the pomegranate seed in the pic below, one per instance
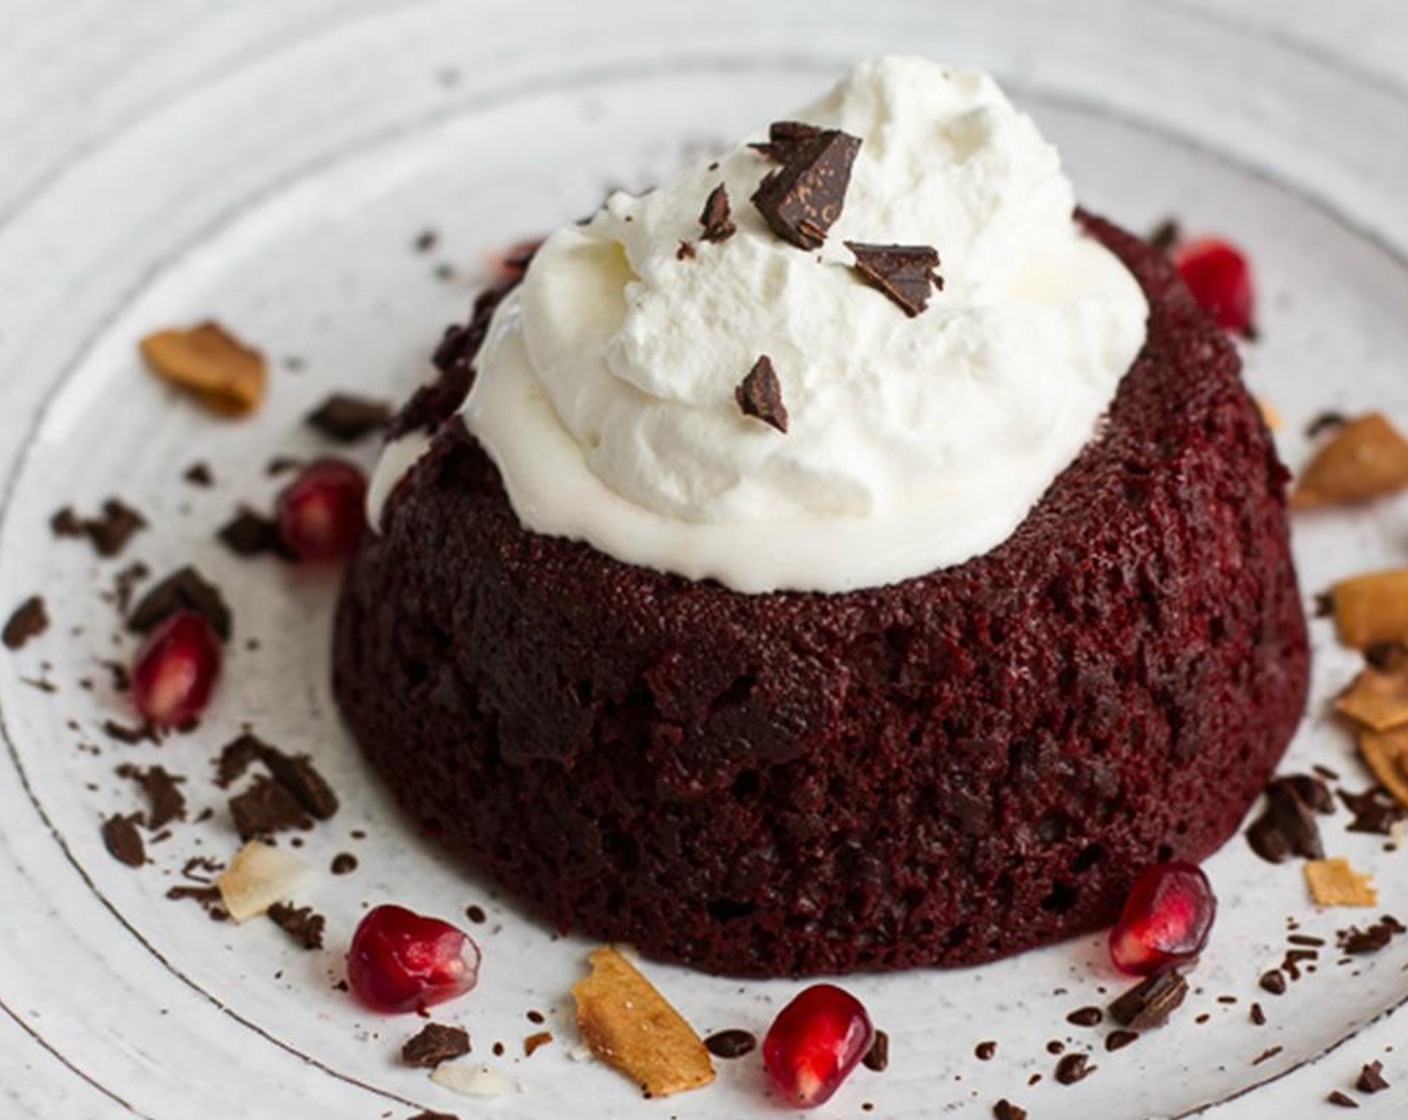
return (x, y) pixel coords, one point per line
(1220, 279)
(1165, 920)
(815, 1042)
(403, 961)
(322, 511)
(175, 669)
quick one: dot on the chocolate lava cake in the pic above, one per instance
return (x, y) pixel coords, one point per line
(937, 772)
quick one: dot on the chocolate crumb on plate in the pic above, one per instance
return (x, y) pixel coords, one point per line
(29, 620)
(476, 914)
(717, 218)
(759, 395)
(985, 1051)
(250, 534)
(1267, 1054)
(433, 1116)
(904, 273)
(166, 802)
(300, 922)
(1006, 1110)
(297, 774)
(344, 863)
(1073, 1068)
(1274, 982)
(535, 1042)
(265, 808)
(1118, 1040)
(1343, 1100)
(1086, 1017)
(1358, 942)
(685, 252)
(346, 418)
(1287, 826)
(802, 201)
(199, 474)
(434, 1044)
(1257, 1015)
(208, 897)
(125, 583)
(425, 241)
(1371, 1079)
(731, 1043)
(184, 589)
(877, 1058)
(1149, 1003)
(131, 736)
(1375, 811)
(123, 841)
(109, 532)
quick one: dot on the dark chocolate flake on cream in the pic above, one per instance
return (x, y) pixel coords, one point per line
(783, 138)
(802, 201)
(760, 395)
(717, 218)
(905, 273)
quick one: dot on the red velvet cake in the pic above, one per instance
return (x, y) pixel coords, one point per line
(939, 770)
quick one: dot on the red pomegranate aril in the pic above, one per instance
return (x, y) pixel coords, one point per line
(1220, 278)
(403, 961)
(1165, 920)
(815, 1042)
(175, 669)
(320, 513)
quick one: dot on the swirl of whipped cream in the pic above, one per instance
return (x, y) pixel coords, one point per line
(605, 389)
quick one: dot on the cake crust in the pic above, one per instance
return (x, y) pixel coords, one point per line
(943, 771)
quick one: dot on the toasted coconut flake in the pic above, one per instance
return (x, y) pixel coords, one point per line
(1386, 755)
(219, 370)
(1377, 698)
(1363, 460)
(1270, 414)
(258, 877)
(471, 1079)
(1333, 882)
(629, 1024)
(1372, 609)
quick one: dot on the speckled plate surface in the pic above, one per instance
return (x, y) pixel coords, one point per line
(281, 189)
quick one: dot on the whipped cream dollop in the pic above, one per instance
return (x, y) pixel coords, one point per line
(606, 386)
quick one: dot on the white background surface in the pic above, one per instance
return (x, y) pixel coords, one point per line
(122, 208)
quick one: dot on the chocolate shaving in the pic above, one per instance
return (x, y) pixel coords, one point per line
(266, 808)
(235, 758)
(904, 273)
(208, 897)
(297, 774)
(123, 841)
(803, 200)
(1086, 1017)
(29, 620)
(434, 1044)
(1257, 1015)
(1267, 1054)
(1287, 826)
(185, 589)
(731, 1044)
(1375, 811)
(1371, 1079)
(434, 1116)
(1118, 1040)
(783, 138)
(717, 218)
(1358, 942)
(166, 802)
(1342, 1100)
(877, 1058)
(346, 418)
(1006, 1110)
(1150, 1003)
(535, 1042)
(1164, 236)
(1073, 1068)
(760, 395)
(250, 534)
(300, 923)
(128, 735)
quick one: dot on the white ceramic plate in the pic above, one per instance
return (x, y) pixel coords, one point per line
(282, 195)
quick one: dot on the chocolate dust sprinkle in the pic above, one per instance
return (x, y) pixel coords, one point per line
(717, 218)
(760, 395)
(904, 273)
(803, 200)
